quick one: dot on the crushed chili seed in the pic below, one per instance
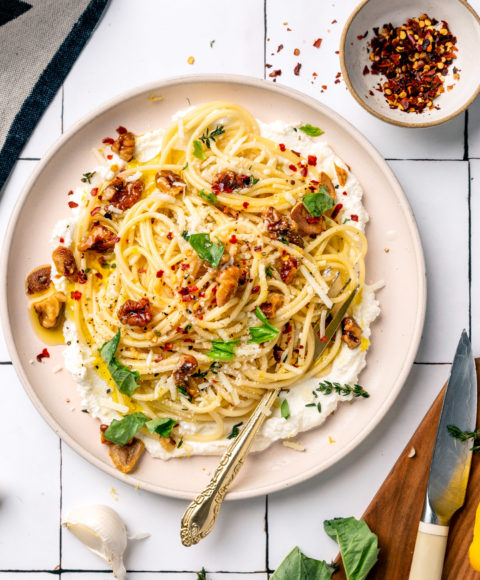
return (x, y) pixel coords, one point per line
(282, 147)
(280, 47)
(318, 43)
(108, 141)
(72, 204)
(109, 157)
(255, 289)
(296, 70)
(94, 191)
(292, 167)
(75, 294)
(61, 240)
(42, 355)
(366, 70)
(121, 130)
(312, 160)
(170, 236)
(275, 73)
(233, 239)
(415, 58)
(362, 36)
(70, 192)
(245, 204)
(354, 217)
(336, 210)
(323, 338)
(159, 273)
(99, 275)
(296, 52)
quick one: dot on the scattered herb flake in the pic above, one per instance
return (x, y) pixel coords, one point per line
(87, 177)
(285, 409)
(235, 431)
(311, 131)
(198, 151)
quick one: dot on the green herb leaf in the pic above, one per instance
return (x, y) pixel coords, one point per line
(180, 443)
(318, 202)
(285, 409)
(212, 42)
(269, 271)
(162, 426)
(264, 332)
(198, 151)
(185, 166)
(311, 131)
(208, 197)
(212, 135)
(235, 431)
(125, 379)
(206, 249)
(183, 390)
(297, 566)
(87, 177)
(327, 388)
(457, 433)
(202, 575)
(358, 545)
(121, 431)
(253, 181)
(185, 235)
(222, 350)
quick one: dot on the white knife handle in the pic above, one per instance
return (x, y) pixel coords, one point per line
(429, 554)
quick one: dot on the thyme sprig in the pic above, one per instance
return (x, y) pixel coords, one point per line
(212, 135)
(457, 433)
(327, 388)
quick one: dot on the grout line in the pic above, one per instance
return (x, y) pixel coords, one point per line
(28, 158)
(6, 363)
(469, 202)
(60, 536)
(267, 539)
(465, 138)
(431, 363)
(264, 38)
(456, 159)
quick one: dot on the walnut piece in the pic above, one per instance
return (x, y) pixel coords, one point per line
(39, 280)
(227, 181)
(124, 146)
(136, 313)
(351, 332)
(306, 223)
(272, 304)
(49, 309)
(98, 239)
(281, 227)
(187, 365)
(123, 194)
(228, 280)
(65, 263)
(169, 182)
(288, 268)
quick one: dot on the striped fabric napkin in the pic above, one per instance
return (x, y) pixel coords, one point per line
(39, 42)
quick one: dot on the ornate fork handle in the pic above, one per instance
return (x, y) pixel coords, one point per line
(201, 514)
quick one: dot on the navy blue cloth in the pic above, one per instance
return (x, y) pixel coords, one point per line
(49, 81)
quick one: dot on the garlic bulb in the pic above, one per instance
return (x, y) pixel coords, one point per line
(102, 531)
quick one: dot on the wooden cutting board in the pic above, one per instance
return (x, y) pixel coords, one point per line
(395, 511)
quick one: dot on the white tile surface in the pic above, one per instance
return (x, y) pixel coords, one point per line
(438, 194)
(29, 483)
(314, 20)
(241, 524)
(296, 515)
(110, 65)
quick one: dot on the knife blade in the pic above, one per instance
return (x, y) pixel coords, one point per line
(450, 467)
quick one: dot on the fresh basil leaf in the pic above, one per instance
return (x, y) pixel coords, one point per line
(318, 202)
(198, 151)
(206, 249)
(235, 431)
(311, 131)
(285, 409)
(208, 197)
(222, 350)
(297, 566)
(108, 349)
(162, 426)
(358, 545)
(125, 379)
(262, 333)
(121, 431)
(269, 271)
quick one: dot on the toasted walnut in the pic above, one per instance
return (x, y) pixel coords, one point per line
(288, 268)
(169, 182)
(124, 146)
(281, 227)
(327, 182)
(125, 457)
(187, 365)
(342, 175)
(228, 180)
(39, 280)
(65, 263)
(270, 306)
(306, 223)
(98, 239)
(228, 280)
(351, 332)
(136, 313)
(49, 309)
(123, 194)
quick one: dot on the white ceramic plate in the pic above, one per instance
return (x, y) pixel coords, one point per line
(396, 333)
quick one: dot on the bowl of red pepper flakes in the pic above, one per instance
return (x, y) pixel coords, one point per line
(412, 63)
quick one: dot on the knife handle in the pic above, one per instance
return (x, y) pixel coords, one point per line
(429, 553)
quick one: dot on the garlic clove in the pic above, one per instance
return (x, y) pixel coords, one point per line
(102, 531)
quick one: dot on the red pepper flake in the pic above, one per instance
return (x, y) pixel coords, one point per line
(313, 220)
(366, 70)
(324, 87)
(296, 52)
(333, 22)
(318, 43)
(354, 217)
(279, 48)
(245, 204)
(61, 240)
(95, 210)
(287, 328)
(275, 73)
(70, 192)
(337, 52)
(255, 289)
(233, 239)
(362, 36)
(296, 70)
(281, 146)
(192, 289)
(116, 239)
(94, 191)
(168, 346)
(76, 295)
(159, 273)
(72, 204)
(170, 236)
(99, 275)
(109, 157)
(108, 141)
(42, 355)
(121, 130)
(296, 153)
(336, 210)
(312, 160)
(304, 171)
(344, 193)
(185, 267)
(292, 167)
(257, 249)
(323, 338)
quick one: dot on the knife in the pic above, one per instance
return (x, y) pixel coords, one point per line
(450, 467)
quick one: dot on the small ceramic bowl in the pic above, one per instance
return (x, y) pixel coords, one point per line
(463, 23)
